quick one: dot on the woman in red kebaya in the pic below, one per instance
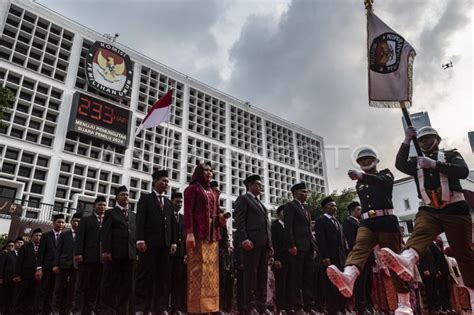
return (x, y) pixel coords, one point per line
(202, 218)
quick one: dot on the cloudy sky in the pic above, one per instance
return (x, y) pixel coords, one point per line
(305, 61)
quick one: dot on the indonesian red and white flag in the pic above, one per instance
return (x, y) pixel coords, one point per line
(390, 68)
(159, 113)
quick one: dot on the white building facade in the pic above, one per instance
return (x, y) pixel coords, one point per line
(49, 169)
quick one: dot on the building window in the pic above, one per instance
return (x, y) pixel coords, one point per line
(407, 204)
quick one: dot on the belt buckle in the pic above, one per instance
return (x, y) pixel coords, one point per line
(372, 213)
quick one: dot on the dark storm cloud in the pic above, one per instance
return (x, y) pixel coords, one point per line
(176, 33)
(311, 69)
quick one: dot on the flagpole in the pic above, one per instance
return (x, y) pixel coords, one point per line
(167, 134)
(406, 115)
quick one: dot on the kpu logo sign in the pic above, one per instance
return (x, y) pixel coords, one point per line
(109, 69)
(385, 52)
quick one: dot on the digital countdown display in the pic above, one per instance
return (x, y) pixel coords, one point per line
(99, 119)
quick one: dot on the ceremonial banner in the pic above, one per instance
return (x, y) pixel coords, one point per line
(159, 113)
(390, 59)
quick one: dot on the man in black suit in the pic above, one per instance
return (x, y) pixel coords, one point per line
(118, 253)
(178, 263)
(251, 221)
(87, 255)
(332, 249)
(351, 224)
(7, 272)
(297, 220)
(427, 268)
(239, 271)
(363, 284)
(44, 270)
(442, 276)
(280, 265)
(25, 269)
(156, 240)
(65, 269)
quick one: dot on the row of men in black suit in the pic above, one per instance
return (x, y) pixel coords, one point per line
(301, 281)
(8, 256)
(90, 268)
(300, 251)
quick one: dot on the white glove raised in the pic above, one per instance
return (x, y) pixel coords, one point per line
(354, 175)
(426, 162)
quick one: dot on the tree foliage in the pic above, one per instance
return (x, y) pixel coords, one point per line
(3, 240)
(313, 203)
(6, 100)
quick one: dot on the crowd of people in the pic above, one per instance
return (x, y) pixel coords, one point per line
(159, 260)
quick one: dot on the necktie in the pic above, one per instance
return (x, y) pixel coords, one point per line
(259, 203)
(36, 248)
(160, 200)
(125, 213)
(306, 213)
(100, 222)
(335, 223)
(56, 236)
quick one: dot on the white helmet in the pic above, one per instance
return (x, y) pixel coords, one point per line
(426, 131)
(365, 153)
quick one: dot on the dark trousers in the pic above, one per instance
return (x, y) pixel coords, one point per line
(6, 296)
(24, 300)
(281, 286)
(333, 299)
(45, 292)
(116, 288)
(64, 291)
(300, 282)
(255, 278)
(226, 286)
(178, 284)
(240, 289)
(429, 282)
(363, 287)
(318, 287)
(443, 293)
(153, 279)
(87, 287)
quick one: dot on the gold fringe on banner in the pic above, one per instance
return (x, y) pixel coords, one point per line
(396, 104)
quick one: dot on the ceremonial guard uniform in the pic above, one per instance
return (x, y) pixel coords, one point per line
(378, 226)
(444, 209)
